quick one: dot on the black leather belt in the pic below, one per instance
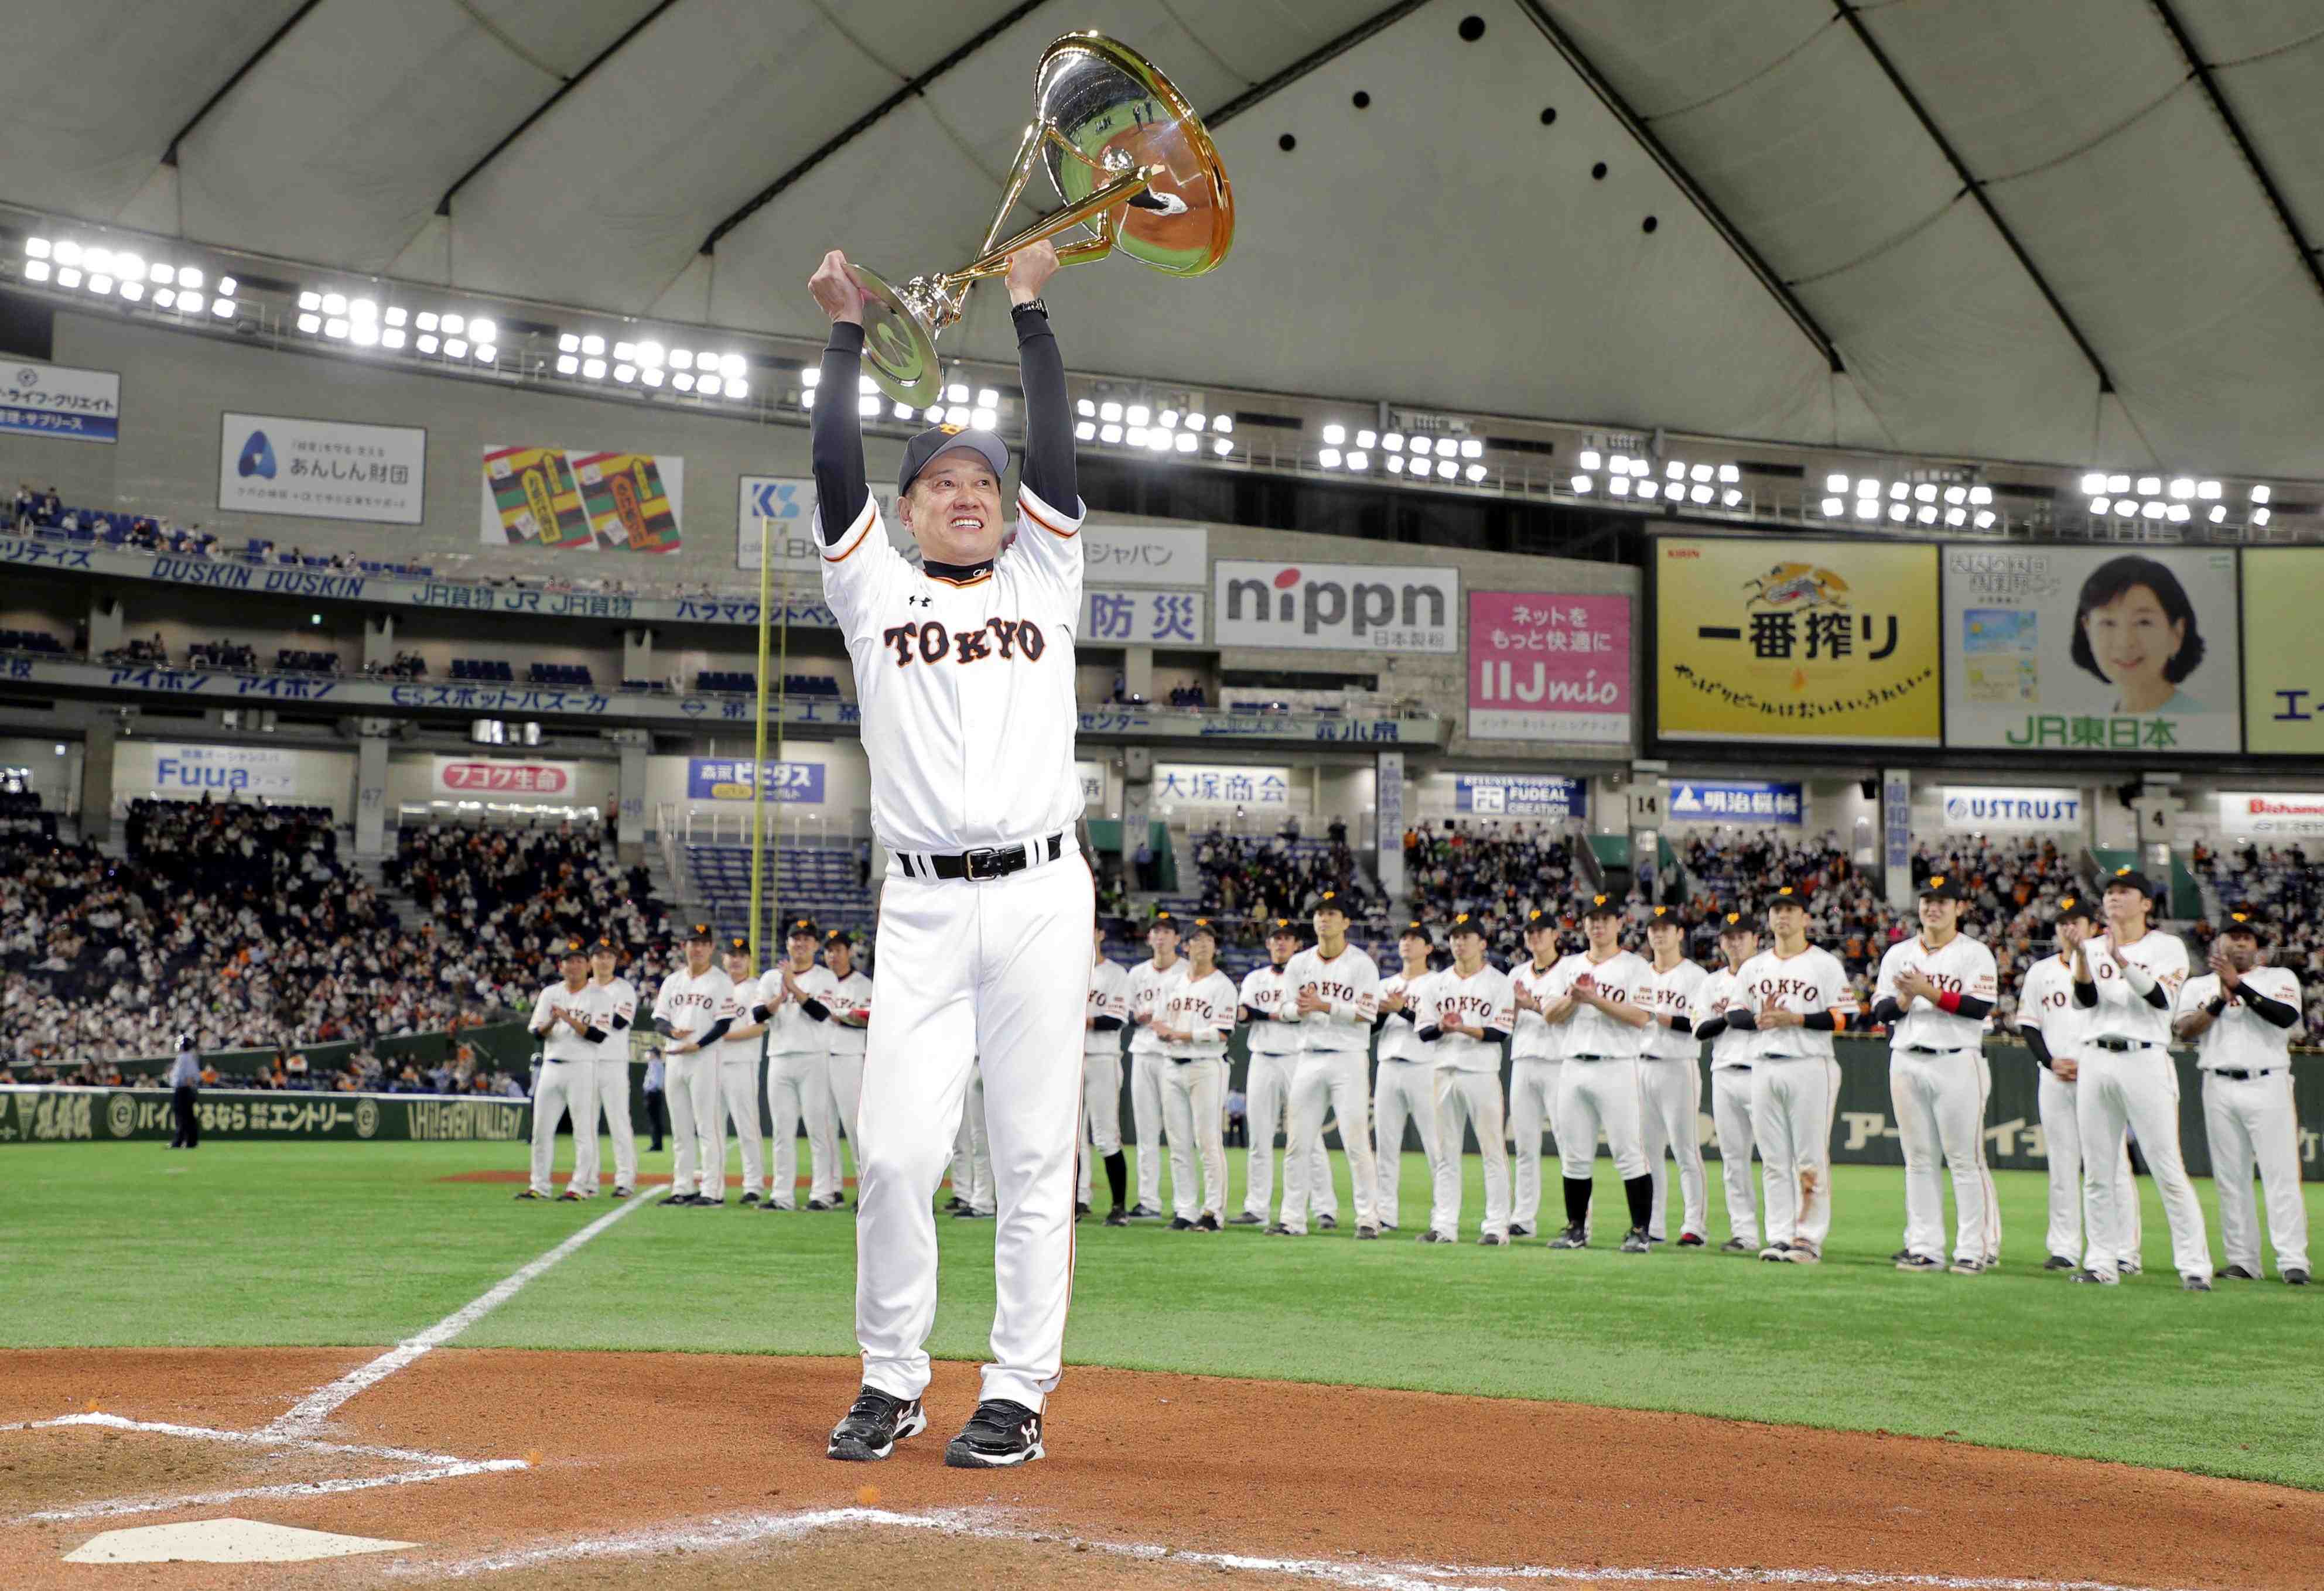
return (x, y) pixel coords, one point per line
(1601, 1057)
(2119, 1045)
(992, 861)
(1928, 1049)
(2242, 1076)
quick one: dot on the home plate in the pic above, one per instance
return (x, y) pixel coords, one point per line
(222, 1541)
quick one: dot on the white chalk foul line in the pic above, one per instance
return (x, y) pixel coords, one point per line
(113, 1507)
(751, 1529)
(309, 1413)
(254, 1439)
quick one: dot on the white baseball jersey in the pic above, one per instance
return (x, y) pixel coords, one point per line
(1108, 995)
(1351, 982)
(1269, 998)
(621, 1001)
(1811, 981)
(1483, 999)
(1399, 1036)
(790, 1030)
(2045, 1002)
(692, 1004)
(2238, 1040)
(588, 1005)
(1712, 995)
(1202, 1008)
(1671, 994)
(1964, 967)
(1620, 977)
(851, 994)
(1533, 1039)
(1143, 990)
(2122, 1012)
(965, 687)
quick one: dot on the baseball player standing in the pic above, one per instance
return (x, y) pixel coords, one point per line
(1793, 998)
(1671, 1072)
(1146, 987)
(613, 1063)
(793, 1003)
(2242, 1015)
(1471, 1011)
(1406, 1086)
(569, 1018)
(851, 1014)
(2124, 979)
(1334, 996)
(1596, 1005)
(2052, 1025)
(693, 1009)
(1108, 1011)
(964, 667)
(1532, 1067)
(1194, 1021)
(736, 1079)
(1731, 1081)
(1273, 1038)
(1933, 993)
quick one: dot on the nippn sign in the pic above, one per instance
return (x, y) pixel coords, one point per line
(1342, 607)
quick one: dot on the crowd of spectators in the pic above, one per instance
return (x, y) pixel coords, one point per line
(1502, 872)
(1245, 879)
(506, 893)
(406, 666)
(36, 507)
(138, 650)
(221, 654)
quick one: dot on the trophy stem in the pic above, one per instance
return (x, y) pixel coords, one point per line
(995, 259)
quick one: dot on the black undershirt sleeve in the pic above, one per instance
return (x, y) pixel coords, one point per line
(1105, 1025)
(815, 1009)
(1970, 1006)
(2275, 1013)
(2158, 996)
(1049, 469)
(758, 1014)
(717, 1031)
(1409, 1015)
(662, 1026)
(837, 432)
(1887, 1013)
(2086, 994)
(2038, 1044)
(1682, 1025)
(1743, 1021)
(1380, 1021)
(619, 1023)
(1713, 1028)
(1501, 1034)
(595, 1036)
(1819, 1022)
(1429, 1035)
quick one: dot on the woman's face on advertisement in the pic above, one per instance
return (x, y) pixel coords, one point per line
(2133, 639)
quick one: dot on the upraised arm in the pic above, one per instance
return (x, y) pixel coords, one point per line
(836, 428)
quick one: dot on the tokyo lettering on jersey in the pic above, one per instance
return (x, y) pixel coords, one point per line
(2122, 1012)
(1811, 981)
(1143, 990)
(1533, 1039)
(2045, 1002)
(1351, 982)
(1202, 1008)
(1482, 1000)
(1731, 1047)
(1589, 1031)
(1267, 998)
(1671, 994)
(621, 1006)
(1399, 1035)
(2239, 1039)
(790, 1030)
(589, 1006)
(690, 1005)
(1108, 995)
(1964, 967)
(853, 995)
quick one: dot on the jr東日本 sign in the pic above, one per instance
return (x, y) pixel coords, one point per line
(1197, 784)
(724, 778)
(480, 776)
(581, 500)
(1537, 795)
(1142, 618)
(1547, 665)
(1343, 607)
(2092, 649)
(1992, 809)
(1759, 640)
(312, 469)
(57, 400)
(2262, 814)
(1735, 801)
(224, 770)
(1146, 555)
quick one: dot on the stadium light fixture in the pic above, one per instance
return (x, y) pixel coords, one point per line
(2261, 494)
(363, 309)
(1471, 448)
(189, 303)
(2094, 485)
(1730, 474)
(187, 277)
(69, 276)
(396, 314)
(336, 327)
(653, 377)
(1836, 484)
(1956, 517)
(1396, 464)
(1223, 424)
(1393, 441)
(1700, 495)
(565, 363)
(392, 338)
(1832, 506)
(590, 343)
(1196, 420)
(128, 268)
(988, 397)
(2100, 504)
(309, 300)
(984, 419)
(135, 290)
(333, 303)
(364, 334)
(38, 248)
(2259, 516)
(1334, 434)
(486, 352)
(1138, 414)
(1446, 469)
(1583, 485)
(1897, 512)
(1898, 491)
(2126, 507)
(1926, 492)
(625, 373)
(2208, 490)
(808, 378)
(1650, 489)
(227, 286)
(866, 406)
(2179, 513)
(1985, 520)
(2149, 485)
(2151, 510)
(68, 252)
(1590, 460)
(1868, 507)
(957, 393)
(1329, 458)
(1676, 470)
(1109, 412)
(1109, 433)
(1618, 486)
(36, 271)
(1702, 471)
(101, 285)
(457, 348)
(566, 342)
(1168, 419)
(1926, 514)
(710, 386)
(1186, 442)
(1367, 439)
(1476, 474)
(1867, 487)
(1085, 431)
(1955, 496)
(2118, 484)
(1135, 436)
(2182, 487)
(1979, 496)
(1157, 440)
(1221, 447)
(2218, 514)
(1731, 496)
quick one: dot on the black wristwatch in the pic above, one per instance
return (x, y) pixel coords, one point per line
(2218, 1004)
(1040, 306)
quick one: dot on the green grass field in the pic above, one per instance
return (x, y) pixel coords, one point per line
(247, 1245)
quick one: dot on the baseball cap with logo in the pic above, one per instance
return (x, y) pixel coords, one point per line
(604, 942)
(1662, 916)
(1538, 918)
(1467, 922)
(1600, 905)
(1200, 928)
(1329, 901)
(2130, 878)
(1789, 895)
(839, 936)
(2073, 906)
(1733, 922)
(570, 949)
(940, 439)
(1415, 929)
(2240, 921)
(703, 931)
(1282, 928)
(801, 926)
(736, 944)
(1943, 887)
(1163, 919)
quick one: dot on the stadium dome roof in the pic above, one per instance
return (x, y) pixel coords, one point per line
(2081, 232)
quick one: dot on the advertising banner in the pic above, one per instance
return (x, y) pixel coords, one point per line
(57, 400)
(224, 770)
(1529, 795)
(105, 1115)
(1091, 775)
(472, 777)
(1147, 555)
(1203, 783)
(1764, 640)
(2283, 651)
(1342, 607)
(724, 778)
(1735, 801)
(272, 463)
(2008, 809)
(1142, 618)
(2089, 649)
(581, 500)
(782, 507)
(2261, 815)
(1546, 666)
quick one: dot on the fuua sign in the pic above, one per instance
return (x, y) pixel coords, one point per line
(2009, 809)
(1335, 607)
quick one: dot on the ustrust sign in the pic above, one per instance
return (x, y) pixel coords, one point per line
(1342, 607)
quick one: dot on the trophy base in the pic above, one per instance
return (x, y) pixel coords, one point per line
(900, 348)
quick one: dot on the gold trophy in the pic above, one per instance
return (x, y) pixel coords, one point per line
(1137, 172)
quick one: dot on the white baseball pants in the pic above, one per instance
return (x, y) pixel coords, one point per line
(1146, 1120)
(1267, 1093)
(1674, 1113)
(798, 1089)
(1101, 1114)
(2252, 1123)
(1939, 1101)
(1403, 1091)
(1533, 1105)
(2061, 1142)
(971, 1153)
(688, 1174)
(2139, 1087)
(1471, 1100)
(567, 1086)
(722, 1088)
(1332, 1080)
(613, 1099)
(846, 1104)
(1730, 1115)
(969, 976)
(1792, 1101)
(1597, 1096)
(1193, 1113)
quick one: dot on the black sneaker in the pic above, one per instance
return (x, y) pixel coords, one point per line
(955, 1205)
(771, 1208)
(621, 1192)
(1637, 1242)
(1690, 1240)
(2295, 1277)
(1494, 1240)
(2238, 1273)
(1080, 1208)
(1281, 1230)
(1144, 1212)
(999, 1434)
(1181, 1223)
(749, 1200)
(1366, 1232)
(528, 1193)
(1432, 1235)
(2057, 1262)
(1327, 1223)
(1116, 1217)
(569, 1197)
(1520, 1231)
(969, 1212)
(823, 1204)
(1571, 1237)
(1208, 1223)
(874, 1426)
(1246, 1219)
(1925, 1265)
(1736, 1246)
(677, 1201)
